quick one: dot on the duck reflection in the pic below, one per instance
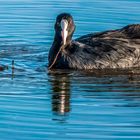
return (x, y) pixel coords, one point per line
(60, 92)
(118, 84)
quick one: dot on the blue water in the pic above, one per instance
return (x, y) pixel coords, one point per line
(39, 105)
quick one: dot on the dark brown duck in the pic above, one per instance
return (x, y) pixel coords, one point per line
(110, 49)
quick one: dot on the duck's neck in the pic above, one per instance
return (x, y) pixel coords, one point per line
(55, 49)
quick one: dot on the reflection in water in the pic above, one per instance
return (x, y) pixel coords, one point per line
(90, 85)
(60, 93)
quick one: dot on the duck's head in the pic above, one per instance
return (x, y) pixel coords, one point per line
(64, 28)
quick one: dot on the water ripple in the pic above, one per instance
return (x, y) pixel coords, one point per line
(40, 104)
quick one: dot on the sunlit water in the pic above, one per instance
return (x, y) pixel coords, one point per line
(39, 105)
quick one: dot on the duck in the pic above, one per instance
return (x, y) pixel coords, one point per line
(115, 49)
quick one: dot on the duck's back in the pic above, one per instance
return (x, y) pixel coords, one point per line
(110, 49)
(128, 32)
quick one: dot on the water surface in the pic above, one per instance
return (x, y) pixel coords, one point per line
(36, 104)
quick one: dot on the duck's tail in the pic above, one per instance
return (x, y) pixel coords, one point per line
(132, 31)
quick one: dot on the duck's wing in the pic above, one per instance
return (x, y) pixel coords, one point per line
(110, 49)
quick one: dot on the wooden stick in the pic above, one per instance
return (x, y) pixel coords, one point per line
(13, 68)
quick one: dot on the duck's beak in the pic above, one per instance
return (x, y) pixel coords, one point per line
(64, 32)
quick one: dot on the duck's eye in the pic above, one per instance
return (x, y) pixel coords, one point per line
(57, 25)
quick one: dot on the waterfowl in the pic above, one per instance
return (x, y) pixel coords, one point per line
(109, 49)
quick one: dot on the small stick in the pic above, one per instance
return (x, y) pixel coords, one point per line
(13, 68)
(55, 58)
